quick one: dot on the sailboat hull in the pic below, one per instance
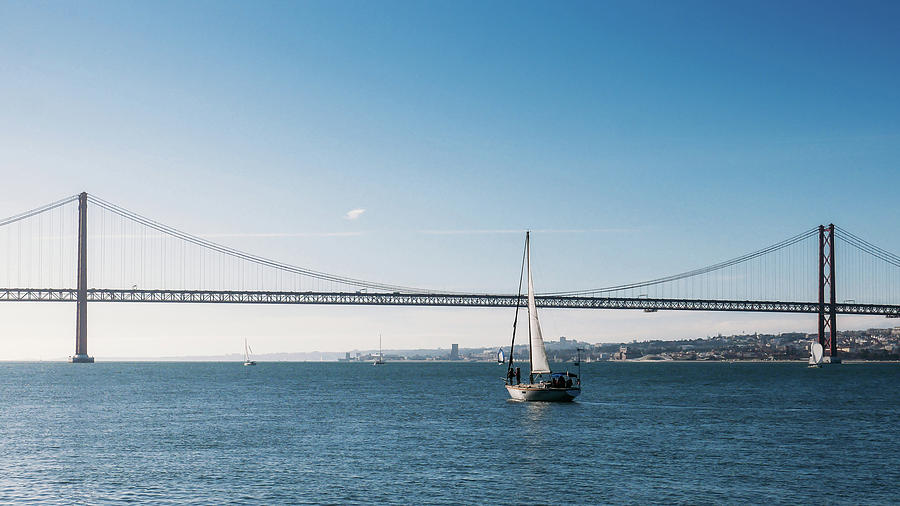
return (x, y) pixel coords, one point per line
(542, 393)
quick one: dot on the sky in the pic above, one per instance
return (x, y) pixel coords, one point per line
(411, 143)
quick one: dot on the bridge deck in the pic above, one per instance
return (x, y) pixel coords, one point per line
(431, 299)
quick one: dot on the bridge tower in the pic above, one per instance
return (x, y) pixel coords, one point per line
(81, 355)
(827, 319)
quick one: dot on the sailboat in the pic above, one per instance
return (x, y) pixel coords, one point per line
(379, 360)
(543, 384)
(816, 354)
(247, 351)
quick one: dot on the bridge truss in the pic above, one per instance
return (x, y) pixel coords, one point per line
(435, 299)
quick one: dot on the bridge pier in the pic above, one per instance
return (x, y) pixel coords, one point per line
(81, 355)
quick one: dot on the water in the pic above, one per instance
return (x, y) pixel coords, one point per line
(445, 433)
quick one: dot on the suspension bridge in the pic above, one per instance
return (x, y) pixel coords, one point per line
(136, 259)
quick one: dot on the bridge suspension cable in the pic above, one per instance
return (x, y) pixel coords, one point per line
(866, 246)
(37, 247)
(38, 210)
(255, 259)
(804, 236)
(867, 273)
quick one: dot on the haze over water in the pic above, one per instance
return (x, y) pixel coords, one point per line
(446, 433)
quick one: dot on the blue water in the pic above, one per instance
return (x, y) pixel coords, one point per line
(445, 433)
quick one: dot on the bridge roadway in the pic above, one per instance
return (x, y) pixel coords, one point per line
(430, 299)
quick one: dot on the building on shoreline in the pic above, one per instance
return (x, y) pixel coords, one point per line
(870, 344)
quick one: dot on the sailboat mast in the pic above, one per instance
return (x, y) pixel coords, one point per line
(528, 265)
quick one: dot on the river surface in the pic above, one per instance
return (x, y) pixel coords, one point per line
(445, 433)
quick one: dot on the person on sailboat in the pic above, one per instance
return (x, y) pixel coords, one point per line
(518, 376)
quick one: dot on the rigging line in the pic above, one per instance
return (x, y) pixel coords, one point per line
(38, 210)
(516, 319)
(728, 263)
(262, 261)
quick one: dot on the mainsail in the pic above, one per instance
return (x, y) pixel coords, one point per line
(539, 364)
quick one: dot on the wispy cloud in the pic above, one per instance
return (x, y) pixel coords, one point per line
(519, 231)
(228, 235)
(284, 234)
(354, 214)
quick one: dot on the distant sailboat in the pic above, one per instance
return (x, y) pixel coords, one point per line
(816, 355)
(550, 386)
(247, 352)
(379, 360)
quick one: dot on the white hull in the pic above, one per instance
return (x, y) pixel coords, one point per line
(542, 393)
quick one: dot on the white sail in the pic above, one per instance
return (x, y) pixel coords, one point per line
(539, 364)
(816, 353)
(247, 351)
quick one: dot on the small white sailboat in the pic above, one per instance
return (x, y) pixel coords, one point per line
(379, 360)
(816, 355)
(247, 352)
(543, 384)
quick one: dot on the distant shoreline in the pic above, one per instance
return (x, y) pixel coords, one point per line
(363, 362)
(748, 361)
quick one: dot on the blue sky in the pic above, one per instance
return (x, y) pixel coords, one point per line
(654, 137)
